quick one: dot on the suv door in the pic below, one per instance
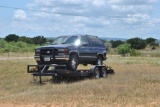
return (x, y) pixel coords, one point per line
(85, 50)
(97, 47)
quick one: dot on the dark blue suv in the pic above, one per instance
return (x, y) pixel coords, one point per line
(71, 51)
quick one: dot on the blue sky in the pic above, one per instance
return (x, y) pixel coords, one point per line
(103, 18)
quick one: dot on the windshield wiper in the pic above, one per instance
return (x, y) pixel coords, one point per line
(63, 43)
(54, 43)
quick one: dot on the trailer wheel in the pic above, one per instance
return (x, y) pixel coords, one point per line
(104, 72)
(97, 73)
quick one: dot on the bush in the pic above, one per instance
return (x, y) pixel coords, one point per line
(155, 54)
(16, 46)
(124, 49)
(134, 52)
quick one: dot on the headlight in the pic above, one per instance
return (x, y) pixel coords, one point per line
(37, 52)
(63, 51)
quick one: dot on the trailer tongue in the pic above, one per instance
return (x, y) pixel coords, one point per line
(97, 71)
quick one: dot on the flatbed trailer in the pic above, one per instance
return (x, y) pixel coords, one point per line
(97, 71)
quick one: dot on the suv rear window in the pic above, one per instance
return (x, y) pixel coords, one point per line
(96, 42)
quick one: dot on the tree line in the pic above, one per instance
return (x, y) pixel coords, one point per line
(137, 43)
(131, 45)
(37, 40)
(15, 43)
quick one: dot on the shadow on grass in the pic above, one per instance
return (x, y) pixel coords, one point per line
(57, 80)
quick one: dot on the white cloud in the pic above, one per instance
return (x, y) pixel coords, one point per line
(99, 3)
(20, 14)
(139, 16)
(102, 16)
(132, 2)
(42, 14)
(44, 2)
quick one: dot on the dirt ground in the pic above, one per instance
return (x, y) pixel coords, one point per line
(26, 105)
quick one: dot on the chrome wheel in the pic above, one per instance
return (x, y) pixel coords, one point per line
(73, 63)
(97, 73)
(99, 61)
(104, 72)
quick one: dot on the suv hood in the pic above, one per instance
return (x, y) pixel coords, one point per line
(58, 46)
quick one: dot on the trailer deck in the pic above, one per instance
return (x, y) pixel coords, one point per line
(96, 71)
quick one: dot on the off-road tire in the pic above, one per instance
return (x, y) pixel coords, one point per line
(73, 62)
(98, 61)
(103, 72)
(96, 73)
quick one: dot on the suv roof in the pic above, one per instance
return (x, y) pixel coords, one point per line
(82, 35)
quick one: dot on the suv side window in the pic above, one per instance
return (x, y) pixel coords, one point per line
(84, 40)
(96, 42)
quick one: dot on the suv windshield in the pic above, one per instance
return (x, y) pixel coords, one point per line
(65, 40)
(59, 40)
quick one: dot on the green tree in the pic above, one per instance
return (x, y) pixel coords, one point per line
(152, 42)
(137, 43)
(3, 43)
(26, 39)
(39, 40)
(116, 43)
(124, 49)
(11, 37)
(154, 45)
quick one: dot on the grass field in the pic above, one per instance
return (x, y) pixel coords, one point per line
(136, 83)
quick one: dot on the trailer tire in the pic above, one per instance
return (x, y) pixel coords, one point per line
(104, 72)
(96, 73)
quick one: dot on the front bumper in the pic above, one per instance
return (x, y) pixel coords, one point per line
(58, 59)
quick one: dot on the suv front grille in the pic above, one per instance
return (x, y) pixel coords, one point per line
(47, 52)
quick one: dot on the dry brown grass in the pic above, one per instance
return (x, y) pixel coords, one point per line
(136, 83)
(12, 56)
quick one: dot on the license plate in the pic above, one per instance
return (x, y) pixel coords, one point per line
(46, 58)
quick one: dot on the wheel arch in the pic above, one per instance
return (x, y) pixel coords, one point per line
(101, 55)
(74, 53)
